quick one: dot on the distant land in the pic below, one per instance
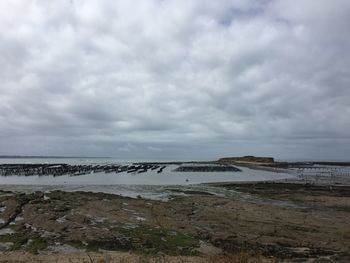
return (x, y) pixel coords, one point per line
(249, 159)
(270, 161)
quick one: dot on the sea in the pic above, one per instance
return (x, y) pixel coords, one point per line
(167, 177)
(150, 184)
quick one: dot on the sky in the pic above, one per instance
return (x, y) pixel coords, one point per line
(175, 79)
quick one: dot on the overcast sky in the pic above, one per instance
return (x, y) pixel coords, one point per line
(175, 79)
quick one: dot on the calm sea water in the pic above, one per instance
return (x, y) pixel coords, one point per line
(167, 177)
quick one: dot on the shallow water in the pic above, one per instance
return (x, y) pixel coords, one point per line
(149, 185)
(167, 177)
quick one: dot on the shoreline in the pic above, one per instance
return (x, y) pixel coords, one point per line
(284, 220)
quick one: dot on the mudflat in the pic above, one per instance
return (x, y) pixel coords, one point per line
(262, 222)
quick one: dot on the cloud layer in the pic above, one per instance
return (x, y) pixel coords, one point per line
(175, 78)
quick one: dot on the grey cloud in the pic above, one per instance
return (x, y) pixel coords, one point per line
(172, 79)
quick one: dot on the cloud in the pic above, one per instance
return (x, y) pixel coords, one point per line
(188, 78)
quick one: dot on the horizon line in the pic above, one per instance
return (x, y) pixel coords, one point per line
(50, 156)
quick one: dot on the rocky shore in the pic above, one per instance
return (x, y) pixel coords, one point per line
(277, 223)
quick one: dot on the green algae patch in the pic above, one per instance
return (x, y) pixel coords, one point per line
(17, 239)
(24, 240)
(141, 239)
(149, 240)
(36, 245)
(112, 244)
